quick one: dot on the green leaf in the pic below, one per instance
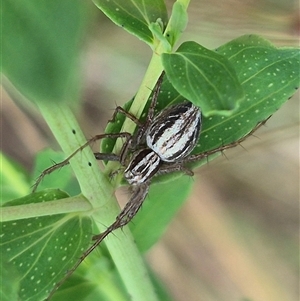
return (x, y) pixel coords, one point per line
(114, 126)
(135, 16)
(41, 47)
(14, 180)
(76, 288)
(9, 282)
(159, 36)
(205, 78)
(42, 249)
(162, 203)
(269, 77)
(177, 23)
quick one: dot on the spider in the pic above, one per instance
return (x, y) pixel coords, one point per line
(161, 145)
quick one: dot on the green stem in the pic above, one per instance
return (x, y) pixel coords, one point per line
(97, 189)
(72, 204)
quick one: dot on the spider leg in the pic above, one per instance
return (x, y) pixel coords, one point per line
(151, 112)
(123, 152)
(131, 208)
(176, 167)
(113, 157)
(224, 147)
(52, 168)
(180, 166)
(105, 156)
(127, 114)
(129, 211)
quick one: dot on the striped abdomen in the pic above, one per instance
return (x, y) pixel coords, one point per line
(174, 132)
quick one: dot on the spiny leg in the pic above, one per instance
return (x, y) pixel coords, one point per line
(197, 157)
(129, 211)
(151, 111)
(180, 166)
(131, 208)
(50, 169)
(106, 156)
(175, 167)
(150, 114)
(127, 114)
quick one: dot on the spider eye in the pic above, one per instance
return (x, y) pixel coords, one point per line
(142, 167)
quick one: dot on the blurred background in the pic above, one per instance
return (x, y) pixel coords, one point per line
(237, 237)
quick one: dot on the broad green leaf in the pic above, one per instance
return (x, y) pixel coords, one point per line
(258, 64)
(14, 180)
(135, 16)
(42, 249)
(205, 78)
(269, 77)
(162, 203)
(40, 47)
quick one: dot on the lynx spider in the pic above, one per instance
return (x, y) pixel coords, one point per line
(188, 136)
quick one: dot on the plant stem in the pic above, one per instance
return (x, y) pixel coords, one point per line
(98, 190)
(71, 204)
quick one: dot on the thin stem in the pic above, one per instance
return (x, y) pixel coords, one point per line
(72, 204)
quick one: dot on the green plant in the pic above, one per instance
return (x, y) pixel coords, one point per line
(237, 85)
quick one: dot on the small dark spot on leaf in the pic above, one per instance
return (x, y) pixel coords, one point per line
(90, 164)
(74, 132)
